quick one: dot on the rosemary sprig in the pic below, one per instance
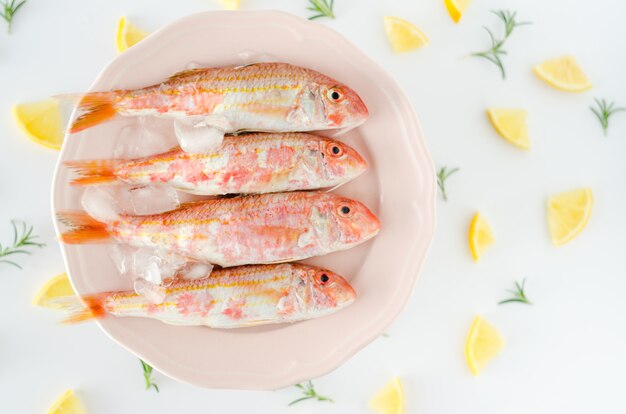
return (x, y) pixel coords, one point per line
(147, 375)
(494, 53)
(604, 112)
(309, 393)
(322, 7)
(442, 176)
(22, 239)
(519, 295)
(9, 8)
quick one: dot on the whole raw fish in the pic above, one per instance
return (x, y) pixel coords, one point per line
(252, 163)
(229, 298)
(265, 228)
(208, 102)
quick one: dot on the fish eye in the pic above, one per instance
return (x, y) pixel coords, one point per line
(345, 210)
(322, 278)
(335, 95)
(334, 149)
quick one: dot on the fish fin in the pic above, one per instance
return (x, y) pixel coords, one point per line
(84, 228)
(198, 136)
(179, 323)
(329, 189)
(192, 204)
(298, 115)
(291, 259)
(197, 71)
(218, 121)
(185, 74)
(98, 106)
(93, 171)
(245, 65)
(257, 322)
(81, 308)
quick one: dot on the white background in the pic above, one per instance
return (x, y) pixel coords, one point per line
(566, 353)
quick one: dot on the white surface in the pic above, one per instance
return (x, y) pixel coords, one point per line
(564, 354)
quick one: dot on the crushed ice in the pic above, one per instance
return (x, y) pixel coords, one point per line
(107, 203)
(145, 136)
(198, 138)
(153, 199)
(152, 270)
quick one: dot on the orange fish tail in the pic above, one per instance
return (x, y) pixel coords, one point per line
(93, 171)
(98, 107)
(84, 228)
(81, 309)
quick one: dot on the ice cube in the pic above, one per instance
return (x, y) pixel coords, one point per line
(122, 257)
(141, 259)
(153, 293)
(247, 57)
(152, 271)
(172, 258)
(198, 139)
(195, 65)
(152, 265)
(146, 135)
(100, 202)
(153, 199)
(197, 270)
(157, 125)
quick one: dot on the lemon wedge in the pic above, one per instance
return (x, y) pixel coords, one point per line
(127, 35)
(56, 287)
(511, 125)
(67, 403)
(480, 236)
(568, 214)
(230, 4)
(389, 399)
(483, 343)
(456, 8)
(41, 122)
(403, 35)
(563, 73)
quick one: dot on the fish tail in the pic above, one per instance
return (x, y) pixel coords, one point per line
(98, 107)
(82, 308)
(93, 171)
(84, 228)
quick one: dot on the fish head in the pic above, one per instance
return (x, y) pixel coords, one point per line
(354, 222)
(328, 104)
(341, 162)
(343, 107)
(327, 291)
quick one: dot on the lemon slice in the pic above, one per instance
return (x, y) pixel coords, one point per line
(403, 35)
(568, 214)
(127, 35)
(511, 125)
(230, 4)
(67, 403)
(483, 343)
(56, 287)
(480, 236)
(41, 122)
(456, 8)
(563, 73)
(389, 399)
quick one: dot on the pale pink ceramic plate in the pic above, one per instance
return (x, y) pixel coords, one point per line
(399, 187)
